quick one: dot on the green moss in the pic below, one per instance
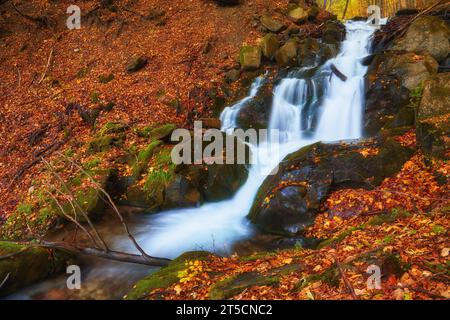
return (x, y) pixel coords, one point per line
(106, 78)
(156, 132)
(112, 128)
(231, 286)
(330, 276)
(164, 277)
(143, 158)
(94, 96)
(388, 217)
(28, 265)
(83, 72)
(340, 237)
(257, 256)
(104, 143)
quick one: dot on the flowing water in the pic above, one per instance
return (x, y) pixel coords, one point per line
(305, 109)
(338, 114)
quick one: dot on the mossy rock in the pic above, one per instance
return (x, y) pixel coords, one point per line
(159, 132)
(105, 143)
(298, 14)
(435, 97)
(28, 265)
(231, 286)
(433, 135)
(143, 158)
(112, 128)
(426, 35)
(272, 24)
(166, 276)
(287, 54)
(136, 63)
(250, 57)
(269, 45)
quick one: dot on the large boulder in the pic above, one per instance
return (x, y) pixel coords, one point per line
(269, 45)
(256, 112)
(288, 201)
(287, 54)
(250, 57)
(27, 265)
(333, 32)
(433, 117)
(272, 24)
(168, 185)
(436, 97)
(409, 68)
(426, 35)
(390, 79)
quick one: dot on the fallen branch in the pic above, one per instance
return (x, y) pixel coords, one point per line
(344, 277)
(338, 73)
(110, 255)
(47, 66)
(4, 280)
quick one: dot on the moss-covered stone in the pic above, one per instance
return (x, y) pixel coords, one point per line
(28, 265)
(143, 158)
(250, 57)
(436, 97)
(158, 132)
(269, 45)
(287, 54)
(166, 276)
(271, 24)
(231, 286)
(298, 14)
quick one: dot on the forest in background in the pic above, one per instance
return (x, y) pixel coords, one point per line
(354, 8)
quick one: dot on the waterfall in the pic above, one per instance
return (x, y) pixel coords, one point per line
(296, 103)
(229, 114)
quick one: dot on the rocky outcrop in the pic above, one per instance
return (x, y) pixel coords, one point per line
(287, 54)
(27, 265)
(433, 117)
(168, 186)
(288, 201)
(391, 77)
(426, 35)
(269, 45)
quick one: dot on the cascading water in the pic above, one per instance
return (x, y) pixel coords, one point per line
(216, 226)
(229, 114)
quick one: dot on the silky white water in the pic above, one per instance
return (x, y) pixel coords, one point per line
(216, 226)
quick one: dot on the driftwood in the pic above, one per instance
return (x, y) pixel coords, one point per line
(338, 73)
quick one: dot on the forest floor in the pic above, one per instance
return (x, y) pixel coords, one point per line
(399, 227)
(44, 71)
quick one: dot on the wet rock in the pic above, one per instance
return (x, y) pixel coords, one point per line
(390, 78)
(333, 32)
(272, 24)
(166, 276)
(28, 265)
(288, 201)
(136, 63)
(287, 54)
(426, 35)
(250, 57)
(269, 45)
(255, 114)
